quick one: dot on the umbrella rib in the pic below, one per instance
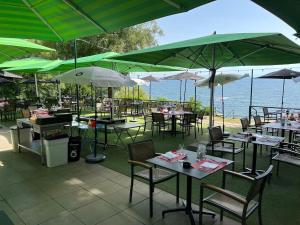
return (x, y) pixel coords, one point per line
(242, 57)
(191, 60)
(82, 13)
(174, 4)
(2, 53)
(271, 47)
(42, 19)
(201, 54)
(235, 55)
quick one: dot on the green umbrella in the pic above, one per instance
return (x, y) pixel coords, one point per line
(288, 11)
(222, 79)
(11, 48)
(62, 20)
(101, 61)
(29, 65)
(220, 50)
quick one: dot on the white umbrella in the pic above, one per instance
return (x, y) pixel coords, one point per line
(150, 79)
(98, 77)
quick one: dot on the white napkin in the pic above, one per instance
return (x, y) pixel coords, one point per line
(209, 165)
(169, 155)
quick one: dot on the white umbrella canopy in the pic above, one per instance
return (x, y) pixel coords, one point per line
(9, 75)
(97, 76)
(184, 76)
(140, 82)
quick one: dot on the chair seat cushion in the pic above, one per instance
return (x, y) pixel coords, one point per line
(223, 201)
(158, 174)
(287, 158)
(225, 148)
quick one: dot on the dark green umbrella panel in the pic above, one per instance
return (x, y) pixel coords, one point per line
(62, 20)
(287, 10)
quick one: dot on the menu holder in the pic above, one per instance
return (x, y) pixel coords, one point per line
(177, 156)
(208, 165)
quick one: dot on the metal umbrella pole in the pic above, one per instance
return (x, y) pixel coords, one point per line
(251, 95)
(95, 157)
(282, 96)
(185, 81)
(150, 91)
(223, 108)
(180, 91)
(195, 104)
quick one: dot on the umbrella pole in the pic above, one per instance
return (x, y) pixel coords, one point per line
(251, 94)
(184, 91)
(36, 88)
(77, 85)
(180, 91)
(211, 85)
(195, 89)
(223, 108)
(282, 96)
(94, 157)
(150, 91)
(138, 92)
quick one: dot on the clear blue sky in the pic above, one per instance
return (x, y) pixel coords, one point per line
(222, 16)
(225, 16)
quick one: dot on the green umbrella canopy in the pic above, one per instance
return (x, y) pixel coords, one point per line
(11, 48)
(101, 61)
(23, 62)
(61, 20)
(34, 66)
(287, 10)
(220, 50)
(221, 79)
(237, 49)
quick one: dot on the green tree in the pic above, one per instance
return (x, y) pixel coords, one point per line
(123, 93)
(127, 39)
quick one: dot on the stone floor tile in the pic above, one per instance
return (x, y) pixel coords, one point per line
(65, 218)
(41, 212)
(76, 199)
(121, 219)
(104, 188)
(95, 212)
(141, 212)
(121, 199)
(27, 200)
(11, 214)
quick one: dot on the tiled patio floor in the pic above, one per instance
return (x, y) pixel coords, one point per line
(76, 194)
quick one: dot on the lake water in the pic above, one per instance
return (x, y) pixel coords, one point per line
(266, 92)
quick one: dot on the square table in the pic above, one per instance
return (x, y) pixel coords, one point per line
(295, 126)
(125, 127)
(267, 140)
(190, 174)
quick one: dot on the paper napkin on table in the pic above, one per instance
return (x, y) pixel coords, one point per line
(209, 165)
(169, 155)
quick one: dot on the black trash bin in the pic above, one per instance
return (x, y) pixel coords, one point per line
(74, 149)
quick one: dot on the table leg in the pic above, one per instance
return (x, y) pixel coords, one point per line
(290, 136)
(254, 155)
(136, 134)
(42, 147)
(188, 206)
(174, 124)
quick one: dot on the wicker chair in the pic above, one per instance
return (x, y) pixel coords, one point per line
(189, 121)
(246, 124)
(234, 203)
(158, 120)
(258, 123)
(218, 144)
(288, 153)
(200, 116)
(269, 115)
(139, 152)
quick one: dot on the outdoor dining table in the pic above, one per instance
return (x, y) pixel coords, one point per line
(124, 128)
(290, 126)
(174, 115)
(190, 174)
(266, 140)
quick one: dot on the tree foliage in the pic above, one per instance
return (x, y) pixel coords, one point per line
(127, 39)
